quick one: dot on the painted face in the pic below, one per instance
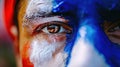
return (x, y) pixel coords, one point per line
(62, 33)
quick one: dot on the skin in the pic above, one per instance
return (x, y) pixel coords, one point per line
(28, 37)
(20, 16)
(40, 48)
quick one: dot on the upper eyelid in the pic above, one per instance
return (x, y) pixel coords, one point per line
(113, 25)
(110, 25)
(41, 26)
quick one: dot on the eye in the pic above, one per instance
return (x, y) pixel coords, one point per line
(112, 30)
(53, 28)
(116, 28)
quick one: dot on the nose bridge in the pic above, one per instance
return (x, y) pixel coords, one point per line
(84, 51)
(85, 35)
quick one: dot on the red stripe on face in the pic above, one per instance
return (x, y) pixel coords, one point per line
(25, 56)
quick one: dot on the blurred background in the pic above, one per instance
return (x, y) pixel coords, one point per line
(7, 58)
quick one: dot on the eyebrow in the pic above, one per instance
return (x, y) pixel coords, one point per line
(45, 10)
(27, 21)
(42, 15)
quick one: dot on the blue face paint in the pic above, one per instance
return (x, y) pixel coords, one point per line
(99, 38)
(68, 10)
(90, 13)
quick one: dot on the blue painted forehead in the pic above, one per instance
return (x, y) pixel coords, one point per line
(106, 8)
(64, 6)
(108, 4)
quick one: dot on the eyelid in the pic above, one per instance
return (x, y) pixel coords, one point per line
(112, 28)
(41, 26)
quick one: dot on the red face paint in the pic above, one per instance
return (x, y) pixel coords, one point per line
(25, 56)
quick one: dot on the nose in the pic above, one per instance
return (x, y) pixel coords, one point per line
(84, 54)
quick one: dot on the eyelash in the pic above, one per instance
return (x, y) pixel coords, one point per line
(114, 28)
(64, 28)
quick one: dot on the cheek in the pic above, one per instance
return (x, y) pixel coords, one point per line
(56, 38)
(25, 56)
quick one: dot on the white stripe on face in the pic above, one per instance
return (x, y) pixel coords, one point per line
(84, 54)
(41, 53)
(39, 7)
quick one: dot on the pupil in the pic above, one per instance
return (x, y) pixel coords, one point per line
(53, 28)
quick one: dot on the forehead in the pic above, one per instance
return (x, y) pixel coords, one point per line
(79, 8)
(39, 7)
(46, 7)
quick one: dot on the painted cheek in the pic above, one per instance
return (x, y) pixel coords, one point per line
(57, 38)
(61, 38)
(25, 56)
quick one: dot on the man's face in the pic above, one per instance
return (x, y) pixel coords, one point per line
(59, 33)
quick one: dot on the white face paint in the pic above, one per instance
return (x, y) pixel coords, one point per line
(84, 54)
(39, 7)
(42, 53)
